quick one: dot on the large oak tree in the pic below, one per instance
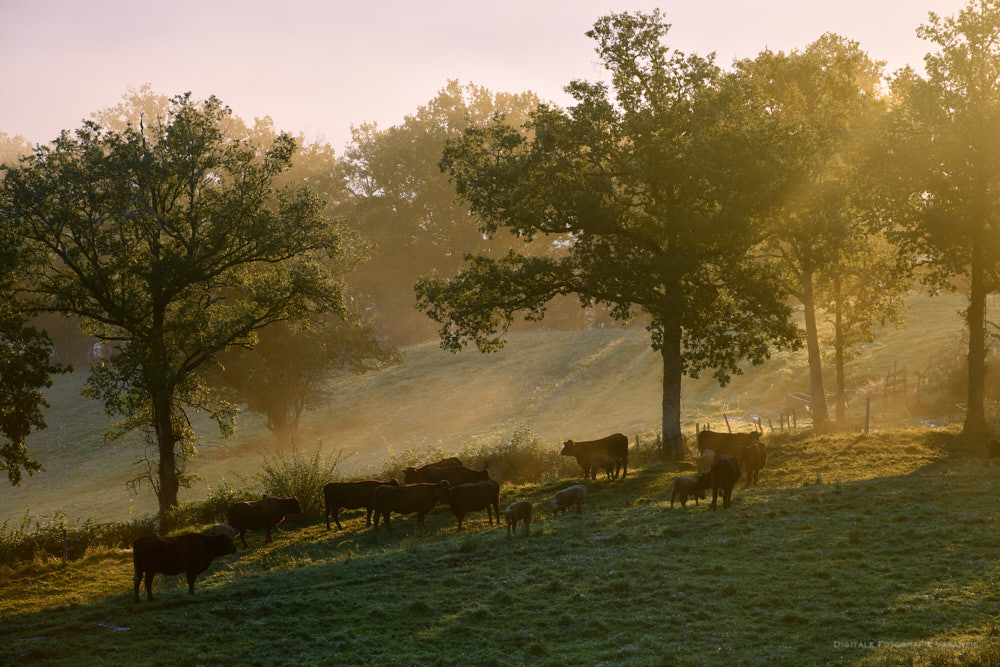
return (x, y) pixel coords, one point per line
(648, 193)
(170, 241)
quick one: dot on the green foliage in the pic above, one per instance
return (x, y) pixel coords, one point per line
(523, 457)
(171, 241)
(289, 370)
(298, 475)
(940, 161)
(645, 196)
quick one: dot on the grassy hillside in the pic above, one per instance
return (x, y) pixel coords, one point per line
(878, 550)
(559, 384)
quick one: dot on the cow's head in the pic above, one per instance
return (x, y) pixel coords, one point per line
(702, 482)
(410, 475)
(290, 505)
(568, 447)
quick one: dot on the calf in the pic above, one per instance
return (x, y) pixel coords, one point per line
(456, 475)
(191, 554)
(352, 496)
(706, 460)
(723, 476)
(684, 487)
(603, 462)
(615, 446)
(419, 498)
(573, 495)
(266, 513)
(473, 497)
(753, 458)
(725, 443)
(519, 511)
(223, 529)
(416, 475)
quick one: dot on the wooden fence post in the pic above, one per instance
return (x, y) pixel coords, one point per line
(728, 427)
(868, 412)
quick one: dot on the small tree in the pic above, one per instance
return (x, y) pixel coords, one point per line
(824, 97)
(170, 241)
(290, 368)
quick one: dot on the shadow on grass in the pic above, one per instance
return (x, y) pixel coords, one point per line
(846, 543)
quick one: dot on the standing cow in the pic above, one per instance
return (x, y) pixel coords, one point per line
(615, 446)
(266, 513)
(725, 443)
(722, 477)
(191, 554)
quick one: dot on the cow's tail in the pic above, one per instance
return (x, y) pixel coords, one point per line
(763, 454)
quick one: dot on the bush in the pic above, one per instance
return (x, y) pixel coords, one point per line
(300, 476)
(524, 458)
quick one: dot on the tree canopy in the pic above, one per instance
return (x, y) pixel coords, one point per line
(171, 242)
(648, 195)
(941, 171)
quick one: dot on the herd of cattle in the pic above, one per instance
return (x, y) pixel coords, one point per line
(448, 481)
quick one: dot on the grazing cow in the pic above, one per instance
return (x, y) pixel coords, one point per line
(266, 513)
(416, 475)
(613, 445)
(419, 498)
(684, 487)
(753, 458)
(723, 475)
(191, 554)
(352, 496)
(456, 475)
(473, 497)
(603, 462)
(706, 460)
(725, 443)
(572, 495)
(519, 511)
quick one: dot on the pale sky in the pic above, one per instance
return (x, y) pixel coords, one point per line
(319, 66)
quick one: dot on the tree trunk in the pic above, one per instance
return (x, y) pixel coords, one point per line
(838, 353)
(821, 419)
(165, 440)
(975, 413)
(671, 352)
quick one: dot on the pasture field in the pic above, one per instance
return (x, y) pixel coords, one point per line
(880, 550)
(578, 384)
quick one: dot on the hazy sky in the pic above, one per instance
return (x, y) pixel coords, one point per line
(317, 67)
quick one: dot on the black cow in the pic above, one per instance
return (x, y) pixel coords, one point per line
(416, 475)
(352, 496)
(419, 498)
(191, 554)
(723, 476)
(266, 513)
(456, 475)
(615, 446)
(473, 497)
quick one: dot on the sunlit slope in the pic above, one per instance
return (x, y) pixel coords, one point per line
(563, 384)
(851, 549)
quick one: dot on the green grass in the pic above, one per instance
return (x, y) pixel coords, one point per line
(851, 550)
(557, 384)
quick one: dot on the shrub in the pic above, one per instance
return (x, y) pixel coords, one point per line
(298, 475)
(524, 458)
